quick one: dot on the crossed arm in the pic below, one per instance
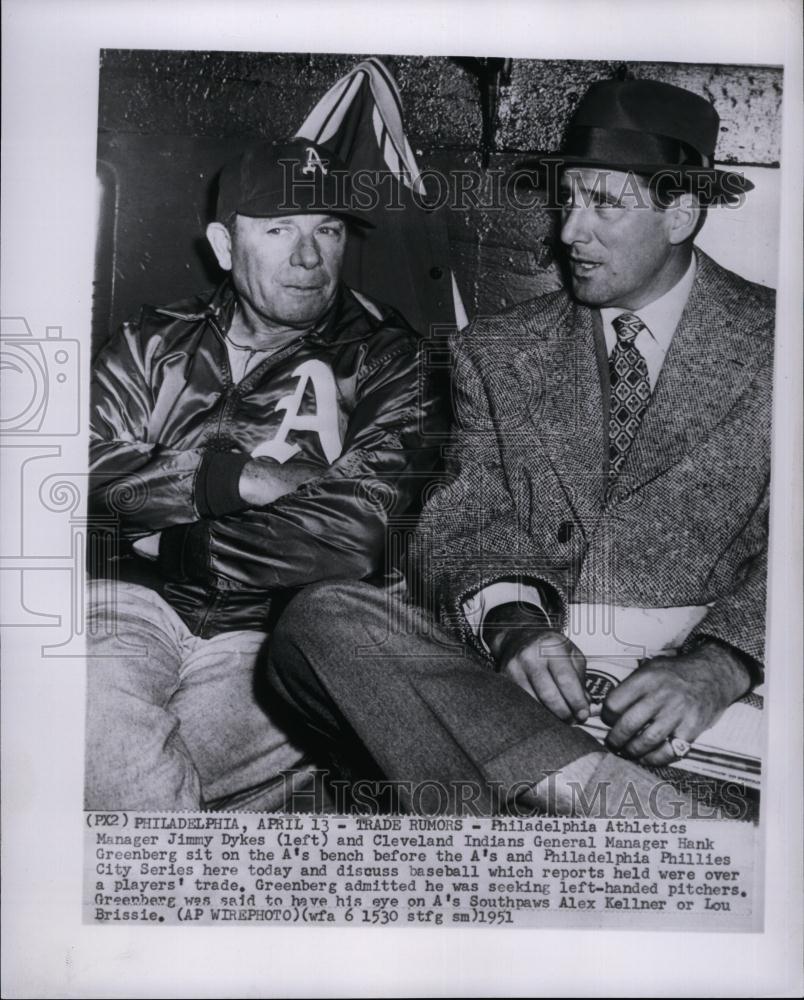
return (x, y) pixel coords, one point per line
(271, 525)
(145, 484)
(262, 481)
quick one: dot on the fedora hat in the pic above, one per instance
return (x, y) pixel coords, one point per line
(649, 128)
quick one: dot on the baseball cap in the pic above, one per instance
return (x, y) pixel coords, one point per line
(295, 178)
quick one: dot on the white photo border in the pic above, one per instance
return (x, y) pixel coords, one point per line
(50, 92)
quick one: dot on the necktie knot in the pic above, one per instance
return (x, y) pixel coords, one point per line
(627, 326)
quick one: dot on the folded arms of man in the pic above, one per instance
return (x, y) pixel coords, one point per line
(267, 524)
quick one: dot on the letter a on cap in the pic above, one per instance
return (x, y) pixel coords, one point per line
(313, 162)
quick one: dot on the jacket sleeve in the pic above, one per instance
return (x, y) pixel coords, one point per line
(141, 483)
(336, 525)
(474, 532)
(737, 616)
(737, 619)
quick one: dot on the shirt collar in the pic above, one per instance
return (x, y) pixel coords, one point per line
(661, 316)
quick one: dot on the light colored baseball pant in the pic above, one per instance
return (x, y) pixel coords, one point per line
(174, 721)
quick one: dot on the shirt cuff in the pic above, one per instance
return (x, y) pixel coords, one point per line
(478, 606)
(217, 483)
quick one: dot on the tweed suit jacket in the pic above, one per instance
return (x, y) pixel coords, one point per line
(685, 522)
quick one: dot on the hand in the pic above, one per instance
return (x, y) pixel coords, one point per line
(263, 480)
(546, 665)
(672, 696)
(148, 546)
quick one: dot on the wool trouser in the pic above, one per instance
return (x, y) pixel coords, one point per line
(378, 681)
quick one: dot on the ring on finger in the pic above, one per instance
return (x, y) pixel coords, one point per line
(680, 748)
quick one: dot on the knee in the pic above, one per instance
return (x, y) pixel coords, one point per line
(313, 610)
(117, 609)
(330, 608)
(320, 620)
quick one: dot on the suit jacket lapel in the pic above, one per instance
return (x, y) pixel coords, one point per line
(568, 421)
(706, 369)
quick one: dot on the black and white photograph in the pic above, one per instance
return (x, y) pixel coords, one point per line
(406, 506)
(400, 498)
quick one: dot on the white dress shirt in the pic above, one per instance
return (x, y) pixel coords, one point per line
(661, 317)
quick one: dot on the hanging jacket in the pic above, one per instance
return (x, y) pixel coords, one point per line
(404, 260)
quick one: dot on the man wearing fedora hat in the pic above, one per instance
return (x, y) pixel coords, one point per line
(236, 440)
(611, 466)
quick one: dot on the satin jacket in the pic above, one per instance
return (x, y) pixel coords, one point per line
(171, 432)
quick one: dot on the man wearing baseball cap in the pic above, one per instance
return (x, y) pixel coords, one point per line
(612, 481)
(237, 443)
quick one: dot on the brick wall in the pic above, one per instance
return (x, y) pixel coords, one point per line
(168, 120)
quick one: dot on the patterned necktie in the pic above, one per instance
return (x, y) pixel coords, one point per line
(630, 389)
